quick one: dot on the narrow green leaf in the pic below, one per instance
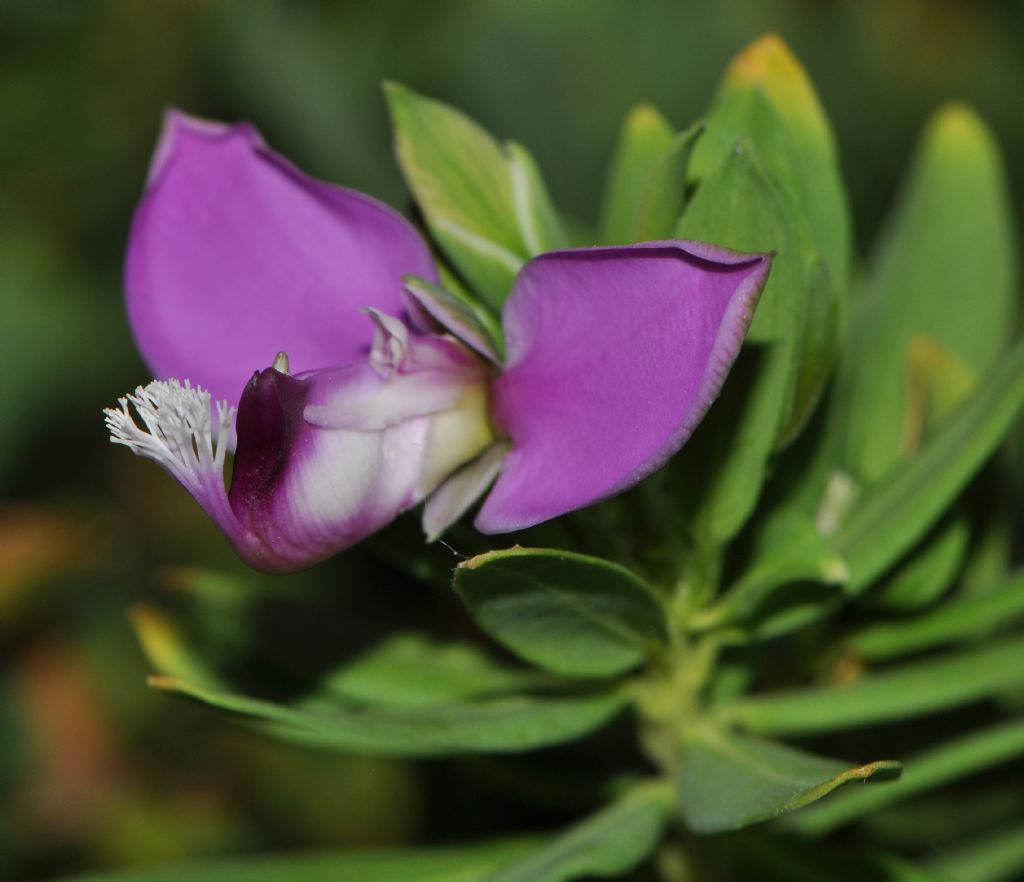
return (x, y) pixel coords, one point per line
(789, 549)
(899, 693)
(507, 724)
(740, 205)
(411, 671)
(767, 98)
(575, 615)
(955, 620)
(486, 204)
(997, 857)
(893, 514)
(951, 242)
(464, 864)
(459, 177)
(605, 845)
(933, 768)
(644, 140)
(539, 225)
(661, 198)
(923, 578)
(165, 649)
(729, 781)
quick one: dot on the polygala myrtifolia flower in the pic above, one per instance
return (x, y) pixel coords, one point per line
(385, 398)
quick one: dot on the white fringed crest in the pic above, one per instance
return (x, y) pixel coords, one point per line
(177, 430)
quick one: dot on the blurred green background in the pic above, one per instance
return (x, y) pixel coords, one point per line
(96, 771)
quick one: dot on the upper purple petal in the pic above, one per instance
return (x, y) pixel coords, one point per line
(614, 355)
(235, 255)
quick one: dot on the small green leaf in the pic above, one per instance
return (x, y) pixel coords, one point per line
(899, 693)
(921, 580)
(644, 140)
(539, 225)
(935, 767)
(464, 864)
(741, 206)
(955, 620)
(767, 98)
(661, 200)
(729, 781)
(945, 269)
(505, 724)
(789, 549)
(575, 615)
(485, 204)
(605, 845)
(892, 514)
(411, 671)
(165, 649)
(647, 182)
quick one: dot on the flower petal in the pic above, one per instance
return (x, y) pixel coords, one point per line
(614, 355)
(407, 376)
(452, 499)
(428, 303)
(235, 255)
(306, 492)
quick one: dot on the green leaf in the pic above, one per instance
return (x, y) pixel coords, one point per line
(946, 269)
(767, 101)
(741, 206)
(997, 857)
(575, 615)
(767, 98)
(165, 649)
(465, 864)
(940, 765)
(922, 579)
(647, 181)
(644, 140)
(955, 620)
(788, 549)
(729, 781)
(539, 225)
(661, 199)
(410, 670)
(899, 693)
(605, 845)
(485, 204)
(506, 724)
(892, 514)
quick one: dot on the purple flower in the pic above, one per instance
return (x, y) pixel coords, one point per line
(235, 257)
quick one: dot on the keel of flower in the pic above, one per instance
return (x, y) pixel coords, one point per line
(324, 458)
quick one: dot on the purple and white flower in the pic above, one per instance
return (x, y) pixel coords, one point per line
(613, 354)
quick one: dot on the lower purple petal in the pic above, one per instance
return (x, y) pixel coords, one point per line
(614, 355)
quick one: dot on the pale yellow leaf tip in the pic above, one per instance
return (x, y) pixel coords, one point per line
(645, 116)
(961, 127)
(767, 58)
